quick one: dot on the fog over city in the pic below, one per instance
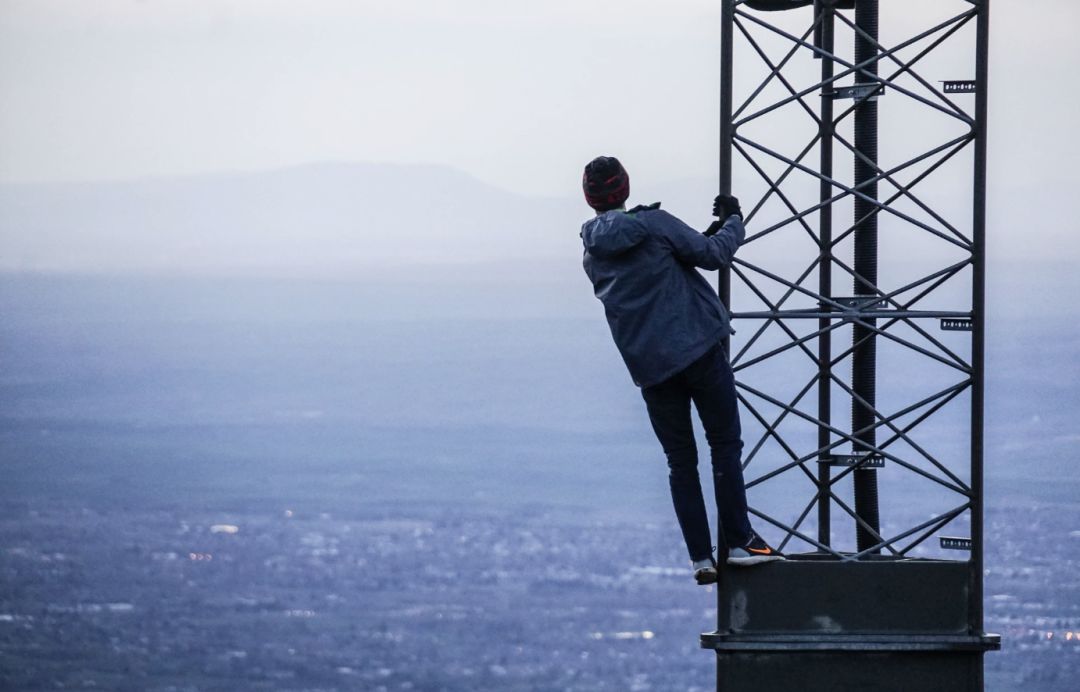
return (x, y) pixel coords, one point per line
(302, 386)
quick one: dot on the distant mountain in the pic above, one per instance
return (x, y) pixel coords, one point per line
(323, 219)
(342, 220)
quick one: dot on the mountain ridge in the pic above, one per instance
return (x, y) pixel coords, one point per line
(307, 219)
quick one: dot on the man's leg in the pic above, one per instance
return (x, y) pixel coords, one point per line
(712, 386)
(669, 411)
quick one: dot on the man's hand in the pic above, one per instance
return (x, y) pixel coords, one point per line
(713, 228)
(726, 205)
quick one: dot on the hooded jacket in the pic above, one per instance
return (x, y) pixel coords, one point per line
(663, 314)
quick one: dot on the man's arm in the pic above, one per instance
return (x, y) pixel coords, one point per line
(705, 251)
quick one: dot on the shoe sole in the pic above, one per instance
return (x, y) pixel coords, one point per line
(705, 577)
(753, 560)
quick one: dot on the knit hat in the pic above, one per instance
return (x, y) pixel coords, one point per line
(606, 183)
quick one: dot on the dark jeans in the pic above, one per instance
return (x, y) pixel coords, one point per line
(708, 381)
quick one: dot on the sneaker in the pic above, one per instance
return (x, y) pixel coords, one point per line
(755, 552)
(705, 571)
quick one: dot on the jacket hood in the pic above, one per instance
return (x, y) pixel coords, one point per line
(612, 233)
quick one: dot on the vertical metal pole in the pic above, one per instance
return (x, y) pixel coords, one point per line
(825, 37)
(864, 357)
(978, 340)
(727, 18)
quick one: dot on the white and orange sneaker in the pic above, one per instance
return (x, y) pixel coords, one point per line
(755, 552)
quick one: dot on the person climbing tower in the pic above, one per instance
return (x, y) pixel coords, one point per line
(668, 325)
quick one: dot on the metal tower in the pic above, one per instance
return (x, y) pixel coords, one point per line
(855, 135)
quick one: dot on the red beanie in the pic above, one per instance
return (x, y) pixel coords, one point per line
(606, 183)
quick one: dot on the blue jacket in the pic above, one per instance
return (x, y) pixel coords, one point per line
(663, 314)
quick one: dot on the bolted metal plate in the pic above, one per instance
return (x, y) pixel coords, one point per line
(960, 86)
(957, 324)
(955, 543)
(819, 594)
(859, 92)
(834, 672)
(863, 461)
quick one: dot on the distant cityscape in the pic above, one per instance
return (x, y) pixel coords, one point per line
(230, 485)
(425, 599)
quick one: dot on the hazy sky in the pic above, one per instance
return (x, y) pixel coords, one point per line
(518, 94)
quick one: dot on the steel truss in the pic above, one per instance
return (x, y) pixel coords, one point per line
(920, 322)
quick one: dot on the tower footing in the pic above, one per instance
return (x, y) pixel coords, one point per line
(821, 623)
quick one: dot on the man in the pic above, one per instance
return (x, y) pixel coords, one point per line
(668, 324)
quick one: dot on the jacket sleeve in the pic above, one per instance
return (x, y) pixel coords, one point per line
(691, 247)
